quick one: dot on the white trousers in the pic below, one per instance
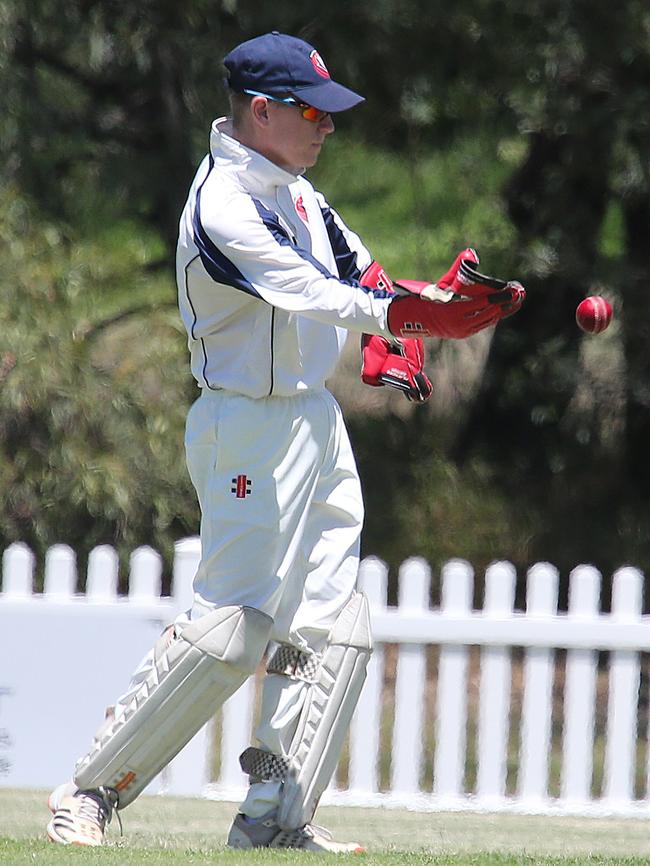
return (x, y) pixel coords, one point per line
(281, 516)
(282, 511)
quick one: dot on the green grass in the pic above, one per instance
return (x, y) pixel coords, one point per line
(167, 831)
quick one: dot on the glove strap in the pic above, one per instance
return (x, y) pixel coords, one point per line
(468, 275)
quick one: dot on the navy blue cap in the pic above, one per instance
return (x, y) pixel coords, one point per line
(279, 64)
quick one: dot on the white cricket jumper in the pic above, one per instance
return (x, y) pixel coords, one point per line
(267, 276)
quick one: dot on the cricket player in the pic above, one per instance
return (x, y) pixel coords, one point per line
(270, 284)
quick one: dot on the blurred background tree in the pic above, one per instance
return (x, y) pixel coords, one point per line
(520, 130)
(92, 405)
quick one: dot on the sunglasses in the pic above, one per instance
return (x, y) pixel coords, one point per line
(313, 115)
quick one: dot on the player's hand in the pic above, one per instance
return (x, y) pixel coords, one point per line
(446, 287)
(457, 317)
(461, 303)
(451, 280)
(463, 280)
(468, 282)
(396, 363)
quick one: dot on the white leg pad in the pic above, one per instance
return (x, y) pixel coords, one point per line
(192, 677)
(336, 679)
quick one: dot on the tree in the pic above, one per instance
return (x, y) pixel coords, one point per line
(92, 404)
(105, 112)
(584, 110)
(99, 94)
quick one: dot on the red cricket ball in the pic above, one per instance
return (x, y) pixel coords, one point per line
(594, 314)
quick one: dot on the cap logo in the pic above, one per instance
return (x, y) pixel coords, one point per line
(318, 64)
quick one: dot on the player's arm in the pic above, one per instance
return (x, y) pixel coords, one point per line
(243, 245)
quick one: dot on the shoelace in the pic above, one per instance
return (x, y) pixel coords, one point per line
(92, 810)
(99, 807)
(110, 799)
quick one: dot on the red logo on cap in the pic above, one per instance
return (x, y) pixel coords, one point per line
(318, 64)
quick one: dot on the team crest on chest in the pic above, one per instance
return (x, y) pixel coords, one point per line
(301, 210)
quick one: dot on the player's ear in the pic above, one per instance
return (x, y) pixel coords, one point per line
(259, 108)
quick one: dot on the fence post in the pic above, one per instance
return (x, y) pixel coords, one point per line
(541, 601)
(494, 693)
(187, 555)
(145, 570)
(60, 572)
(410, 683)
(365, 729)
(620, 749)
(102, 574)
(451, 705)
(580, 691)
(17, 570)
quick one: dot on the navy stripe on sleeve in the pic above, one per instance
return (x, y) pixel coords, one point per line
(223, 270)
(346, 259)
(272, 223)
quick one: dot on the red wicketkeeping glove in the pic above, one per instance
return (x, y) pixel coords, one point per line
(465, 280)
(469, 302)
(396, 363)
(450, 281)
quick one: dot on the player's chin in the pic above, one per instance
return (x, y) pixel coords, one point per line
(314, 153)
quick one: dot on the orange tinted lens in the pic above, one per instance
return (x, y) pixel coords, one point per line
(315, 115)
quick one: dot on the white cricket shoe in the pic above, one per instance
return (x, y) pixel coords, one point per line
(79, 817)
(265, 833)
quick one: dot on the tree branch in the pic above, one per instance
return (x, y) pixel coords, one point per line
(90, 331)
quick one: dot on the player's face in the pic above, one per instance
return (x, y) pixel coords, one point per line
(292, 141)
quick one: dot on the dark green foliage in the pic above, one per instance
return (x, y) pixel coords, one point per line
(522, 129)
(93, 390)
(585, 108)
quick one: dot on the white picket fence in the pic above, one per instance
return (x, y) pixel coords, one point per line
(64, 657)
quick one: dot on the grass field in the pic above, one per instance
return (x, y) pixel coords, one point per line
(161, 831)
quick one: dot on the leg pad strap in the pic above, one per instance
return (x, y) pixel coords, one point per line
(291, 662)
